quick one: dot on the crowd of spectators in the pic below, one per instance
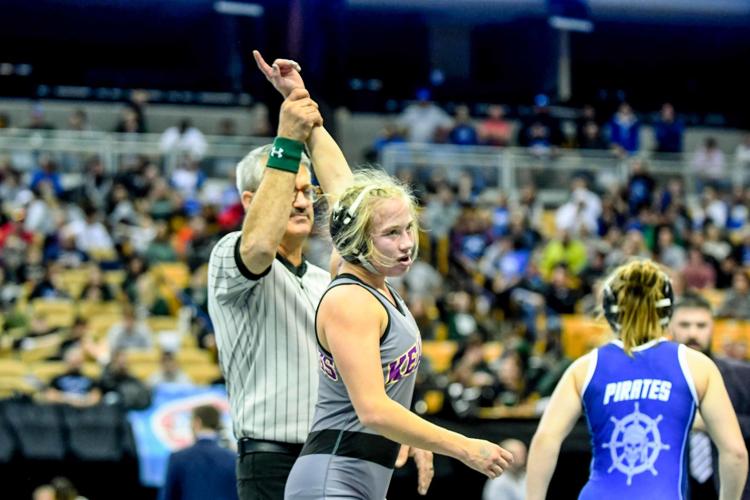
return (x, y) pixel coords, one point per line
(498, 271)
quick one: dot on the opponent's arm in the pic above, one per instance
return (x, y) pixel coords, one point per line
(721, 424)
(352, 321)
(266, 219)
(331, 167)
(561, 414)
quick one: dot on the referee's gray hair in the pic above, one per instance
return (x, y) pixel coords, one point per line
(250, 169)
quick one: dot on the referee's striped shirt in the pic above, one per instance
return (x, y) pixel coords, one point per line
(265, 334)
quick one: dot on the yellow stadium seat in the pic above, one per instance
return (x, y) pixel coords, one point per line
(100, 323)
(174, 273)
(492, 351)
(39, 353)
(12, 368)
(162, 323)
(89, 308)
(193, 356)
(92, 369)
(202, 374)
(11, 385)
(143, 356)
(47, 370)
(57, 313)
(440, 353)
(580, 334)
(142, 370)
(727, 330)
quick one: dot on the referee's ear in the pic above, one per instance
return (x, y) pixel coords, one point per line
(245, 198)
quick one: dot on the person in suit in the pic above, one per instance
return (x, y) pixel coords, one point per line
(205, 469)
(692, 325)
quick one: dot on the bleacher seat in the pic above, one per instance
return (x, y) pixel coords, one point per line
(57, 313)
(440, 353)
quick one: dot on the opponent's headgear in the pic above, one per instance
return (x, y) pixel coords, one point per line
(612, 309)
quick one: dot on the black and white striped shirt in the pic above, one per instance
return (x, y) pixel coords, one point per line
(265, 334)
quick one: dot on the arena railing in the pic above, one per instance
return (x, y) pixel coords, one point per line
(509, 169)
(70, 150)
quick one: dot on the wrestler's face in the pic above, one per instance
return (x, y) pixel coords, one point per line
(392, 236)
(692, 326)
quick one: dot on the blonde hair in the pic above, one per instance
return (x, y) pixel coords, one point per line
(353, 241)
(638, 289)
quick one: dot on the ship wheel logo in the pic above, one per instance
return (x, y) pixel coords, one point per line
(635, 444)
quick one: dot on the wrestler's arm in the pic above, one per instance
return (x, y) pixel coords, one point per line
(560, 416)
(351, 322)
(331, 167)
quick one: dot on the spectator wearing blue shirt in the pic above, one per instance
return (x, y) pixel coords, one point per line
(47, 171)
(668, 131)
(463, 132)
(624, 130)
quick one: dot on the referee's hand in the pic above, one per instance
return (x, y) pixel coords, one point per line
(299, 114)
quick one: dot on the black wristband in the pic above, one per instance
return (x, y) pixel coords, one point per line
(285, 155)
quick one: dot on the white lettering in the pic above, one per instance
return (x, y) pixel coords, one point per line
(609, 391)
(655, 388)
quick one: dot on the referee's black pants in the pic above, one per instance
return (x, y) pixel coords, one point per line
(263, 468)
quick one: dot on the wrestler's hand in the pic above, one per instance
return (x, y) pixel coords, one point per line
(423, 461)
(299, 115)
(284, 74)
(487, 458)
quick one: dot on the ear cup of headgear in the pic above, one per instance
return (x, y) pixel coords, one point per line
(609, 306)
(341, 218)
(664, 306)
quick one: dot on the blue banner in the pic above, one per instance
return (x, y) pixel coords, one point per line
(164, 427)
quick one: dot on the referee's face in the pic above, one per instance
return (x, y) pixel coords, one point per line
(301, 215)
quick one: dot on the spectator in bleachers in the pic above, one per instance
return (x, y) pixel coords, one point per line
(48, 286)
(698, 273)
(96, 289)
(47, 172)
(468, 366)
(588, 115)
(163, 202)
(709, 163)
(461, 321)
(736, 303)
(78, 121)
(226, 127)
(73, 387)
(560, 295)
(4, 121)
(565, 250)
(591, 137)
(183, 139)
(91, 235)
(390, 134)
(581, 211)
(130, 122)
(44, 213)
(541, 131)
(495, 130)
(97, 183)
(711, 209)
(510, 388)
(667, 252)
(715, 244)
(119, 386)
(640, 187)
(668, 131)
(624, 131)
(424, 121)
(160, 249)
(470, 236)
(188, 179)
(37, 121)
(169, 371)
(130, 333)
(463, 133)
(742, 158)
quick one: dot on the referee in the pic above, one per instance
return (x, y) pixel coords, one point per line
(263, 294)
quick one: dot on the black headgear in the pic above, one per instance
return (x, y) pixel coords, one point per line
(342, 217)
(612, 310)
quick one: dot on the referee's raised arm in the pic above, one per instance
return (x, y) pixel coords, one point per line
(267, 210)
